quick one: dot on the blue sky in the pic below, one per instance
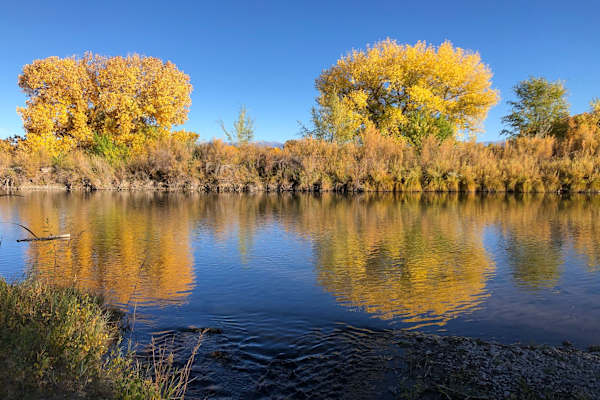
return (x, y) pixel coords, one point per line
(267, 54)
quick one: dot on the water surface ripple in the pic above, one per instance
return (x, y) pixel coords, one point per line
(307, 290)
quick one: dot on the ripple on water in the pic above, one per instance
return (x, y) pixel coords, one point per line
(344, 362)
(277, 273)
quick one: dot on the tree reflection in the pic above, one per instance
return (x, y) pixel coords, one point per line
(417, 257)
(128, 247)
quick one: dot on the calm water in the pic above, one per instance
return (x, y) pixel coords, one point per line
(308, 289)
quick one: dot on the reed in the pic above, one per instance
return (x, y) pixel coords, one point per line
(375, 163)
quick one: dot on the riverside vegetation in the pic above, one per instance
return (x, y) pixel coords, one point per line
(389, 118)
(58, 342)
(378, 163)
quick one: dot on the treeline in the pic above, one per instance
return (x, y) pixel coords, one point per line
(392, 117)
(378, 163)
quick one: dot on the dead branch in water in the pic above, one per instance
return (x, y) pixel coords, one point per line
(37, 239)
(22, 226)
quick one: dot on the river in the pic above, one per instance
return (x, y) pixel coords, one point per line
(305, 291)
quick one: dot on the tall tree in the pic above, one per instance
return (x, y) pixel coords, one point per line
(541, 109)
(243, 128)
(127, 99)
(404, 91)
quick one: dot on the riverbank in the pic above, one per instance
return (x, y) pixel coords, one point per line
(58, 343)
(379, 164)
(458, 368)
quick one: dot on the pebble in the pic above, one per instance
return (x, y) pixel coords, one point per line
(497, 370)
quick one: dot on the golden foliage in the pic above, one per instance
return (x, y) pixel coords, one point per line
(583, 131)
(129, 99)
(390, 83)
(106, 255)
(377, 163)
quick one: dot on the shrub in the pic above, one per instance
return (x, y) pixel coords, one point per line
(373, 163)
(62, 343)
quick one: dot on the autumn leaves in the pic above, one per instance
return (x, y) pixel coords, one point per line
(71, 101)
(402, 91)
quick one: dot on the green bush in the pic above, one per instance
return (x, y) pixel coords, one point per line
(61, 343)
(103, 146)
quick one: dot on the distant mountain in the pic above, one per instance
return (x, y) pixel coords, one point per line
(261, 143)
(269, 144)
(488, 142)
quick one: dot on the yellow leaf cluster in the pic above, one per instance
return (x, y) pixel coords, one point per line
(184, 136)
(595, 107)
(129, 99)
(388, 82)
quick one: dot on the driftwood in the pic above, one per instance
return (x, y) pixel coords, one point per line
(37, 239)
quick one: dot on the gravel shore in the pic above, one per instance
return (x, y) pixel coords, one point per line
(353, 363)
(463, 368)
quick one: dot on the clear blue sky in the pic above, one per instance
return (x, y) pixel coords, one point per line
(266, 54)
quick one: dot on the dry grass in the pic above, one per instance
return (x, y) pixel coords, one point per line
(376, 164)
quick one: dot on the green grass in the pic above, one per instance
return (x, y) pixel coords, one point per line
(62, 343)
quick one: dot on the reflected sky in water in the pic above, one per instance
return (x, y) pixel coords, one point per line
(274, 267)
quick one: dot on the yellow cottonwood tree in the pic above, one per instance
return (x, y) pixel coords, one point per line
(128, 99)
(406, 91)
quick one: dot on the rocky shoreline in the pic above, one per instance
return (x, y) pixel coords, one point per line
(451, 367)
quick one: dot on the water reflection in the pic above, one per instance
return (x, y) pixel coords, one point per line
(538, 230)
(420, 259)
(128, 247)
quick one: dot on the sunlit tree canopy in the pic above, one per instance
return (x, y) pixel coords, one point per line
(404, 91)
(128, 99)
